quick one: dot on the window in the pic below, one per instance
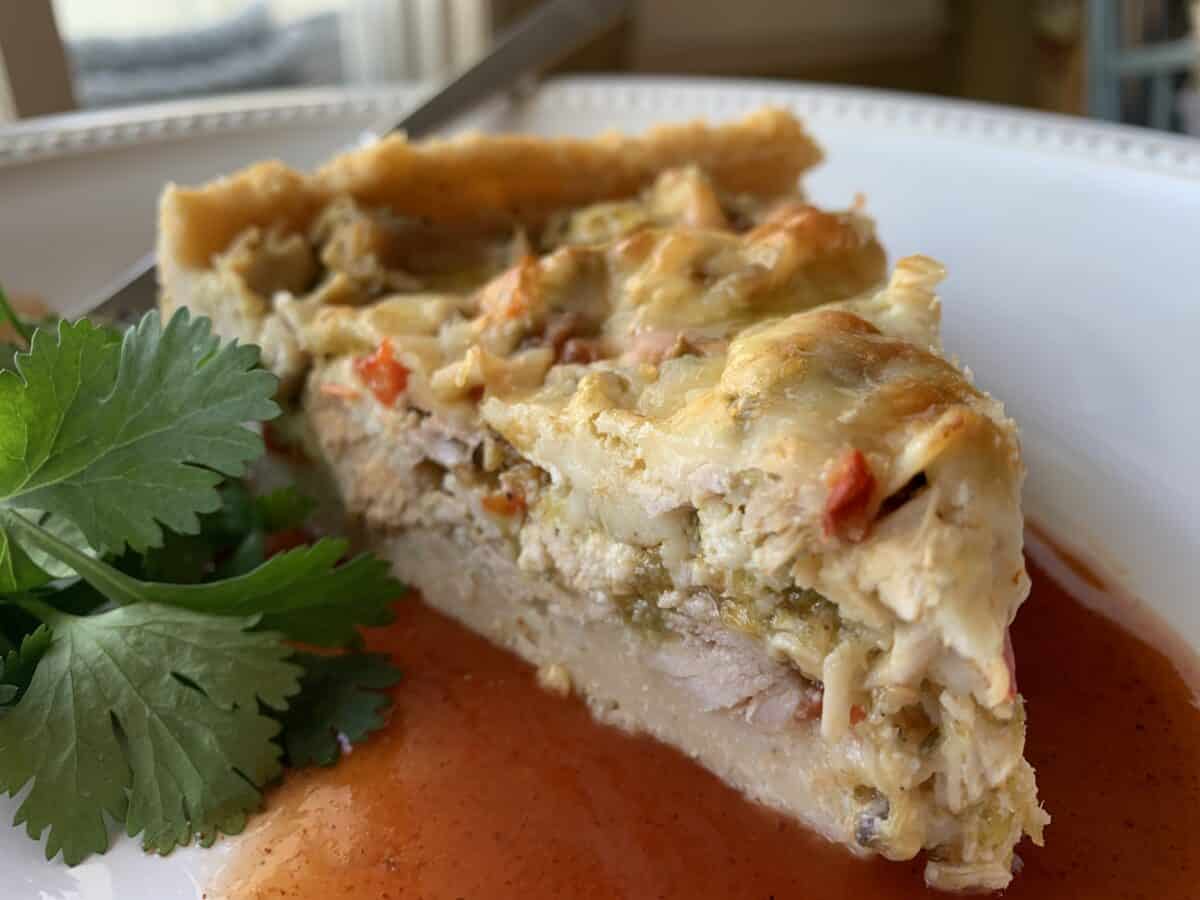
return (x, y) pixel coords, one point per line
(120, 52)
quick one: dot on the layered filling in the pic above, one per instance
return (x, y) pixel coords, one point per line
(692, 411)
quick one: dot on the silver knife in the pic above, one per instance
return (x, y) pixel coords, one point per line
(539, 40)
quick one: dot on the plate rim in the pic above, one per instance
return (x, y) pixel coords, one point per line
(1127, 146)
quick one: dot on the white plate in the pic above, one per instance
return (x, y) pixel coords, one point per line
(1072, 294)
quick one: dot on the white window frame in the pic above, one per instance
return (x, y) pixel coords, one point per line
(396, 40)
(384, 40)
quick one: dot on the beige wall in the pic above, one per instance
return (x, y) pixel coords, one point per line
(717, 35)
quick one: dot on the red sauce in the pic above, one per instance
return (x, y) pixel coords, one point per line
(485, 786)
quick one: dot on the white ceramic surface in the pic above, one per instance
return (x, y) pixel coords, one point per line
(1072, 294)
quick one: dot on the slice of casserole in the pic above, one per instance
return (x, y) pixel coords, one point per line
(636, 410)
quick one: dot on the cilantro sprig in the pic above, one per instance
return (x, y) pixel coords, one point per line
(9, 317)
(147, 670)
(125, 436)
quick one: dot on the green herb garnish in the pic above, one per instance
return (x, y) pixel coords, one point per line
(8, 316)
(146, 669)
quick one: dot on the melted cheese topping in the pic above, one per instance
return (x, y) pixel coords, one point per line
(763, 422)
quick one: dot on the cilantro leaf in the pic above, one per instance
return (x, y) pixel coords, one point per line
(18, 570)
(15, 623)
(150, 715)
(19, 327)
(237, 516)
(17, 666)
(283, 509)
(231, 541)
(119, 459)
(273, 514)
(182, 559)
(124, 436)
(191, 558)
(304, 593)
(8, 316)
(26, 566)
(63, 529)
(341, 694)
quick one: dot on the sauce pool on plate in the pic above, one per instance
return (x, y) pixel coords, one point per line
(485, 786)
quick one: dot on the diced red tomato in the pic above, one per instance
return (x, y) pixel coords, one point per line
(386, 376)
(851, 488)
(504, 504)
(857, 714)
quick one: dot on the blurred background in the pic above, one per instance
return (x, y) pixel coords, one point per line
(1135, 61)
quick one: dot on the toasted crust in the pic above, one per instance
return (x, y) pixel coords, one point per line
(485, 181)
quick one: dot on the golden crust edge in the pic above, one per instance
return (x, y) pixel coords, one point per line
(484, 180)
